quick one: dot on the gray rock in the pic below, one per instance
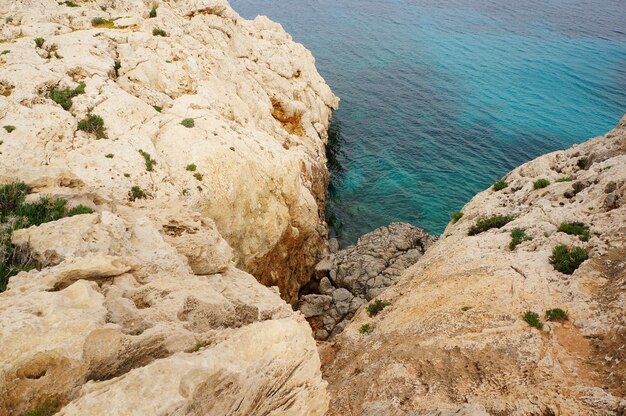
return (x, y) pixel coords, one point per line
(314, 305)
(325, 287)
(342, 298)
(333, 245)
(323, 268)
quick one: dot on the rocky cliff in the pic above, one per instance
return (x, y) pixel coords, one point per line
(519, 309)
(152, 154)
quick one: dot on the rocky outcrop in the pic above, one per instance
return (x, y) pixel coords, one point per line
(197, 140)
(347, 279)
(250, 155)
(455, 332)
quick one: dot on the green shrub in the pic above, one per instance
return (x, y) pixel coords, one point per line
(117, 65)
(484, 224)
(136, 193)
(157, 108)
(532, 319)
(373, 308)
(540, 183)
(191, 167)
(466, 308)
(575, 228)
(9, 129)
(158, 32)
(109, 155)
(39, 42)
(455, 216)
(153, 12)
(64, 97)
(566, 259)
(556, 315)
(564, 179)
(127, 175)
(365, 329)
(100, 22)
(69, 3)
(500, 185)
(188, 122)
(148, 160)
(198, 176)
(47, 408)
(4, 52)
(517, 236)
(93, 124)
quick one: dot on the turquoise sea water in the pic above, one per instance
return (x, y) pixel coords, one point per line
(439, 99)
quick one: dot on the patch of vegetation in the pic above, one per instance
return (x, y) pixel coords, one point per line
(93, 124)
(455, 216)
(484, 224)
(149, 161)
(191, 167)
(100, 22)
(47, 408)
(158, 32)
(564, 179)
(127, 175)
(117, 65)
(8, 19)
(69, 3)
(136, 193)
(109, 155)
(567, 259)
(198, 176)
(575, 228)
(500, 185)
(188, 122)
(153, 12)
(532, 319)
(517, 236)
(540, 183)
(200, 344)
(4, 52)
(39, 42)
(373, 308)
(9, 129)
(157, 108)
(64, 97)
(15, 214)
(466, 308)
(365, 329)
(556, 314)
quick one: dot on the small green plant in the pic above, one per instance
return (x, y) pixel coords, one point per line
(575, 228)
(556, 314)
(109, 155)
(39, 42)
(93, 124)
(517, 236)
(153, 12)
(100, 22)
(365, 329)
(198, 176)
(466, 308)
(188, 122)
(47, 408)
(373, 308)
(564, 179)
(4, 52)
(69, 3)
(8, 19)
(136, 193)
(63, 97)
(540, 183)
(484, 224)
(158, 32)
(200, 344)
(9, 129)
(127, 175)
(157, 108)
(532, 319)
(500, 185)
(148, 160)
(455, 216)
(191, 167)
(566, 259)
(117, 65)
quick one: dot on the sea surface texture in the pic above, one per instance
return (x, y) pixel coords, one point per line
(439, 99)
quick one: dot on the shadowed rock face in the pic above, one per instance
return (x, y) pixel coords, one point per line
(453, 333)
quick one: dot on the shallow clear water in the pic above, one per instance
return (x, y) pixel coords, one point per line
(440, 99)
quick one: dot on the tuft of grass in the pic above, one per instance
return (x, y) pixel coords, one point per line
(9, 129)
(191, 167)
(517, 236)
(365, 329)
(198, 176)
(153, 12)
(93, 124)
(149, 161)
(158, 32)
(188, 122)
(375, 307)
(127, 175)
(136, 193)
(484, 224)
(39, 42)
(455, 216)
(46, 408)
(200, 344)
(575, 228)
(466, 308)
(540, 183)
(69, 3)
(567, 259)
(532, 319)
(157, 108)
(100, 22)
(564, 179)
(556, 314)
(64, 97)
(109, 155)
(4, 52)
(117, 65)
(500, 185)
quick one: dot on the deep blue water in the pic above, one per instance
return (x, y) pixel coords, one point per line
(439, 99)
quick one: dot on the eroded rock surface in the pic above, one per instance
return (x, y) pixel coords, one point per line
(453, 335)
